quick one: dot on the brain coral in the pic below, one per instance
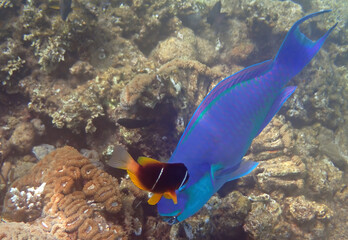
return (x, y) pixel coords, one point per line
(13, 230)
(70, 198)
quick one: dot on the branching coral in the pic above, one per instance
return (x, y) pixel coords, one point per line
(24, 204)
(50, 52)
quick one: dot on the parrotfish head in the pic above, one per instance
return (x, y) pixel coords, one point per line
(190, 199)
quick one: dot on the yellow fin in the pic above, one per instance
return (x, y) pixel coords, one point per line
(171, 195)
(143, 161)
(136, 181)
(155, 198)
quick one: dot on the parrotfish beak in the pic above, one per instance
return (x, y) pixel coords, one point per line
(169, 210)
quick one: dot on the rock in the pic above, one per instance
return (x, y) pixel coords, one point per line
(23, 137)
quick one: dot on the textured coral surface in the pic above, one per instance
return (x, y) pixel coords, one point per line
(132, 73)
(67, 196)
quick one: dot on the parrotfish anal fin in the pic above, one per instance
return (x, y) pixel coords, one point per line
(136, 181)
(171, 195)
(121, 159)
(232, 173)
(297, 50)
(155, 198)
(278, 103)
(241, 76)
(143, 161)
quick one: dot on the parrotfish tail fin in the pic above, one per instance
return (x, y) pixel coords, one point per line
(123, 160)
(235, 172)
(297, 49)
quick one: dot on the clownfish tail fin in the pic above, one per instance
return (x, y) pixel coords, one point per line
(123, 160)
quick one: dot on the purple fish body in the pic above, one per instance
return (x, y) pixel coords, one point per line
(230, 117)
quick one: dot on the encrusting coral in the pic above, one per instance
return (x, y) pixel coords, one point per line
(67, 196)
(21, 231)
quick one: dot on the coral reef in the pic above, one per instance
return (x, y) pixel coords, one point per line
(14, 230)
(70, 82)
(67, 196)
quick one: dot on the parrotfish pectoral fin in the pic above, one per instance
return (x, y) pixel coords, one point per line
(213, 169)
(143, 161)
(155, 198)
(297, 49)
(171, 195)
(235, 172)
(278, 103)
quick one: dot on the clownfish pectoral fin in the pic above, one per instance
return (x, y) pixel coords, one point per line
(143, 161)
(171, 195)
(155, 198)
(123, 160)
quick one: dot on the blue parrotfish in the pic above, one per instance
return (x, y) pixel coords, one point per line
(230, 117)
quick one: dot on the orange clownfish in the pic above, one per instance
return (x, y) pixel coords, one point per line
(162, 179)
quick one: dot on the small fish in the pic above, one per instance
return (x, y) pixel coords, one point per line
(64, 8)
(162, 179)
(217, 19)
(230, 117)
(214, 12)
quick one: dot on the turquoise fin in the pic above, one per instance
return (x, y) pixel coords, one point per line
(278, 103)
(232, 173)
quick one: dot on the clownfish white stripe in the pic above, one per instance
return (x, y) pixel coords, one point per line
(159, 176)
(183, 181)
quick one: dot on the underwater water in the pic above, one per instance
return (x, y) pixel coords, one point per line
(78, 78)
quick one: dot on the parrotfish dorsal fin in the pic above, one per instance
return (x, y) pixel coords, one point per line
(123, 160)
(241, 76)
(171, 195)
(136, 181)
(155, 198)
(143, 161)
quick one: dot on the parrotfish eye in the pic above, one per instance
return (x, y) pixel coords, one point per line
(170, 220)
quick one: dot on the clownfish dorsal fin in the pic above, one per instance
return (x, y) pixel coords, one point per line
(123, 160)
(136, 181)
(171, 195)
(155, 198)
(143, 161)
